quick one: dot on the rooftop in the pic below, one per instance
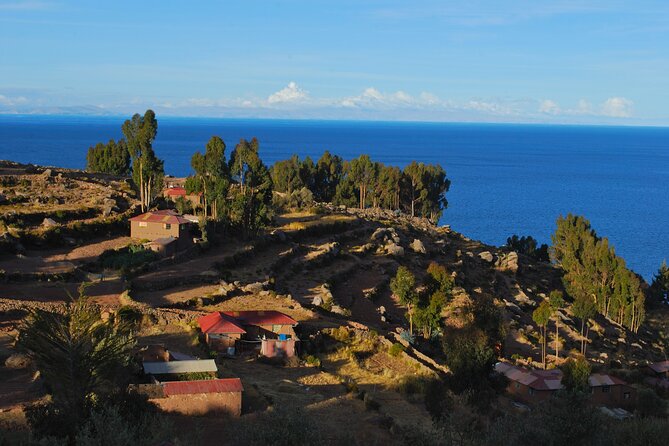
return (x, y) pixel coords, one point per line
(269, 317)
(164, 216)
(660, 367)
(203, 386)
(177, 367)
(535, 379)
(219, 323)
(598, 380)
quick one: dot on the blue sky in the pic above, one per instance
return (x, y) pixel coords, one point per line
(492, 61)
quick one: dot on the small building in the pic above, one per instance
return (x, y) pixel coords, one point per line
(162, 225)
(659, 369)
(607, 390)
(165, 368)
(530, 385)
(271, 331)
(202, 397)
(165, 247)
(175, 192)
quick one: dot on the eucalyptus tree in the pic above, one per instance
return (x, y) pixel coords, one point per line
(362, 172)
(112, 158)
(556, 300)
(212, 176)
(541, 316)
(403, 285)
(147, 169)
(329, 173)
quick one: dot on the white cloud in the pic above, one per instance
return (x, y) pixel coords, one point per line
(490, 107)
(292, 93)
(549, 107)
(7, 101)
(583, 108)
(617, 107)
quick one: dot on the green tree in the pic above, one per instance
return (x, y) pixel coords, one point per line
(528, 246)
(286, 175)
(252, 197)
(147, 169)
(77, 354)
(415, 175)
(362, 172)
(556, 300)
(428, 316)
(575, 374)
(389, 187)
(439, 279)
(470, 358)
(329, 173)
(541, 316)
(584, 309)
(212, 176)
(436, 186)
(659, 289)
(112, 158)
(403, 285)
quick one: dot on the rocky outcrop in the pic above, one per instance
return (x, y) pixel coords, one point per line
(508, 262)
(486, 256)
(418, 246)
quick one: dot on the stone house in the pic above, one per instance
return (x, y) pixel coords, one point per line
(162, 226)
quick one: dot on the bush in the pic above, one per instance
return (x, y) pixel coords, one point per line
(312, 361)
(396, 349)
(131, 257)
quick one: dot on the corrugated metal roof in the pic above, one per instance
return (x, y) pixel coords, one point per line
(598, 379)
(660, 367)
(164, 216)
(259, 317)
(203, 386)
(219, 323)
(536, 379)
(175, 367)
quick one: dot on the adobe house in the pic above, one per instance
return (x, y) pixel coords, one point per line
(202, 397)
(174, 192)
(272, 331)
(529, 385)
(161, 227)
(607, 390)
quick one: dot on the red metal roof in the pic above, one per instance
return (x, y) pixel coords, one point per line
(202, 386)
(268, 317)
(165, 216)
(536, 379)
(219, 323)
(178, 192)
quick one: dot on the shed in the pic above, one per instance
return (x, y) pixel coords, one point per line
(202, 397)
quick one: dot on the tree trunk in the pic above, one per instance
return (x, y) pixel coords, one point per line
(141, 186)
(557, 337)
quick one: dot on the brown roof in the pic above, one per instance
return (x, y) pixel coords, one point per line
(260, 317)
(660, 367)
(167, 216)
(599, 380)
(535, 379)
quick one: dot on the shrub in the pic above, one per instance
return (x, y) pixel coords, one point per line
(396, 349)
(313, 361)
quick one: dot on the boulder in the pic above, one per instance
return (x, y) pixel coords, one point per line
(336, 309)
(508, 262)
(418, 246)
(317, 300)
(486, 256)
(49, 222)
(18, 361)
(394, 250)
(254, 288)
(48, 173)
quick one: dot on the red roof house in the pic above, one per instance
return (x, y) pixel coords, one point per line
(173, 193)
(202, 396)
(162, 228)
(272, 330)
(530, 385)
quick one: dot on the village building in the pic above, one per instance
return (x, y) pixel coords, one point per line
(659, 369)
(272, 332)
(607, 390)
(165, 230)
(530, 385)
(173, 193)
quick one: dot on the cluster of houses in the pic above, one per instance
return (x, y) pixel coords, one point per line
(531, 386)
(272, 334)
(184, 384)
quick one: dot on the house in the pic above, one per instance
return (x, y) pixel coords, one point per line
(607, 390)
(160, 227)
(530, 385)
(272, 331)
(202, 397)
(659, 369)
(174, 192)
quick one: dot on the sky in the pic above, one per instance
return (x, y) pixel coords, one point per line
(561, 61)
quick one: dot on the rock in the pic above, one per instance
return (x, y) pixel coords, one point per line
(49, 222)
(508, 262)
(317, 300)
(418, 246)
(279, 234)
(254, 288)
(48, 173)
(336, 309)
(394, 250)
(382, 310)
(18, 361)
(487, 256)
(470, 254)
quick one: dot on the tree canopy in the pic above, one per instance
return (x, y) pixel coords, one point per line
(112, 158)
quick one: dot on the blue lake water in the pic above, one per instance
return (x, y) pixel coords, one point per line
(506, 179)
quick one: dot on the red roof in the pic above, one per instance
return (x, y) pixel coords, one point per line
(536, 379)
(203, 386)
(178, 192)
(219, 323)
(165, 216)
(268, 317)
(660, 367)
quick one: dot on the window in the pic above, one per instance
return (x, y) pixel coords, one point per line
(606, 389)
(531, 391)
(517, 385)
(142, 224)
(168, 226)
(626, 395)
